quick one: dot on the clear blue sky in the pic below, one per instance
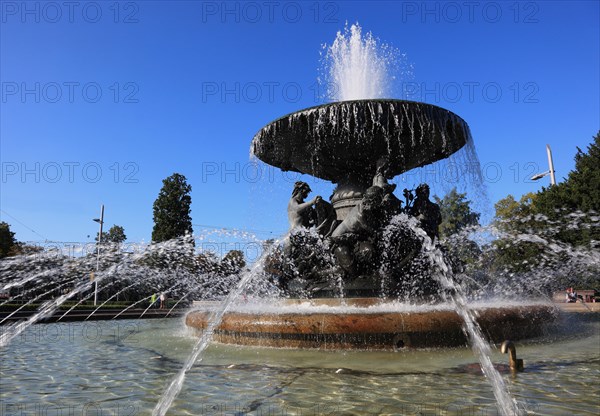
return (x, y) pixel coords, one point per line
(102, 100)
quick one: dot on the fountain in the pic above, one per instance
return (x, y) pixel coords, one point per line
(363, 243)
(364, 247)
(341, 276)
(353, 257)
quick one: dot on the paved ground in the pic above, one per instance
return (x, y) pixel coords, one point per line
(82, 314)
(579, 307)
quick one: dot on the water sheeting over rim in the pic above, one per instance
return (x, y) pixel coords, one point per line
(345, 140)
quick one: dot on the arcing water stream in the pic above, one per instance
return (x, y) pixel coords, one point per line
(213, 322)
(455, 295)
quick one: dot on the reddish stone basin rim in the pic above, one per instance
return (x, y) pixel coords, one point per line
(381, 331)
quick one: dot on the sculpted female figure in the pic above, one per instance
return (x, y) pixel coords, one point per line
(391, 205)
(300, 213)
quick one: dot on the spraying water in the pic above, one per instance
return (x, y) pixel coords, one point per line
(213, 322)
(157, 267)
(454, 294)
(356, 66)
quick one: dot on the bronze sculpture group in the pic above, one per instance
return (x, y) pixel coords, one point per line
(362, 254)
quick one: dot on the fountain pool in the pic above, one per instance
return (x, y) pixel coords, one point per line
(121, 367)
(367, 323)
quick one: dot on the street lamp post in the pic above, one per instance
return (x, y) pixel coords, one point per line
(101, 221)
(550, 170)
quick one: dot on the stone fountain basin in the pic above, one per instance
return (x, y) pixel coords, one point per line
(368, 328)
(342, 139)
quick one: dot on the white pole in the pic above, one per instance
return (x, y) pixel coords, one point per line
(98, 258)
(550, 165)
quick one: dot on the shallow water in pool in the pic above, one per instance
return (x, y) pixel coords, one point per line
(123, 367)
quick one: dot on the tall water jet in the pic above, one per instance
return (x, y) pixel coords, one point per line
(357, 67)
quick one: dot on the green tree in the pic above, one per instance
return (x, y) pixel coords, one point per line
(9, 246)
(456, 213)
(584, 181)
(515, 250)
(172, 209)
(545, 234)
(233, 261)
(25, 249)
(579, 192)
(116, 234)
(515, 215)
(208, 262)
(460, 251)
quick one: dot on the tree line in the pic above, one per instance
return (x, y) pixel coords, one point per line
(552, 229)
